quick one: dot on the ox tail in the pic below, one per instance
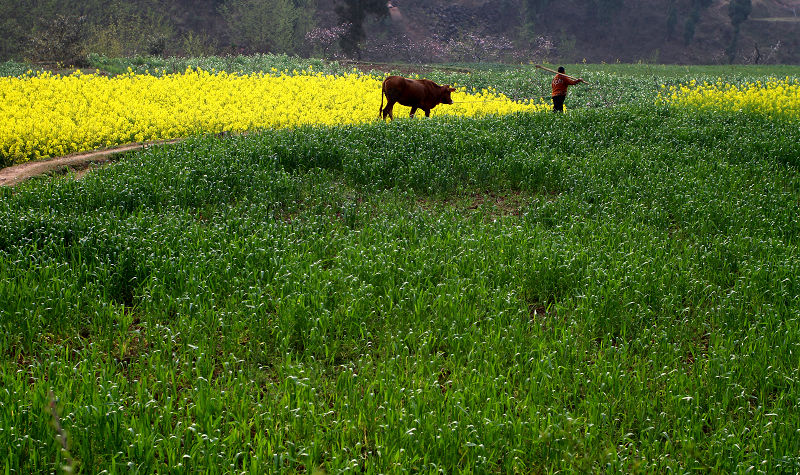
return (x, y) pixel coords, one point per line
(383, 91)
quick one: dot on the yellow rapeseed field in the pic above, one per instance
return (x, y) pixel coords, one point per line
(774, 97)
(47, 115)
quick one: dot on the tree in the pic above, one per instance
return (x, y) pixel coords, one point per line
(690, 26)
(530, 12)
(532, 8)
(11, 31)
(738, 11)
(672, 19)
(123, 28)
(694, 16)
(354, 12)
(63, 40)
(268, 25)
(603, 9)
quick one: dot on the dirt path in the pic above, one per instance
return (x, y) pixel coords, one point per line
(83, 162)
(77, 162)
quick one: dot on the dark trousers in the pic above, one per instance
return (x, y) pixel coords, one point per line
(558, 103)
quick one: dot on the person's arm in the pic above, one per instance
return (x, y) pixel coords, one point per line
(572, 82)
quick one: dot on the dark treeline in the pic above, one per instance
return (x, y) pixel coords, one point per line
(65, 30)
(670, 31)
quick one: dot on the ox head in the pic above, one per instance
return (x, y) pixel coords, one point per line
(444, 95)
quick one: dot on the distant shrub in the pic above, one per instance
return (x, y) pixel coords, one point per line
(13, 69)
(324, 41)
(690, 26)
(156, 44)
(62, 40)
(231, 63)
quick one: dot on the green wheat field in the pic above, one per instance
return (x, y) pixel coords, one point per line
(614, 289)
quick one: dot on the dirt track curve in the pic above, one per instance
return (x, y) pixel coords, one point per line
(77, 162)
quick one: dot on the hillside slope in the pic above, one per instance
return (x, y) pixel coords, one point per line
(666, 31)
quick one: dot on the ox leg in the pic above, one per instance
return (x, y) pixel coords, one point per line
(427, 112)
(387, 111)
(413, 111)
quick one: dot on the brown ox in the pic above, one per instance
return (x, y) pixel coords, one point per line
(415, 93)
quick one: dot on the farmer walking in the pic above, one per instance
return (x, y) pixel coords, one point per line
(560, 84)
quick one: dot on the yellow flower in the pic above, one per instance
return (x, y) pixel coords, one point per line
(773, 98)
(46, 115)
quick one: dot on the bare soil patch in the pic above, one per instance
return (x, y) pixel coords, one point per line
(493, 205)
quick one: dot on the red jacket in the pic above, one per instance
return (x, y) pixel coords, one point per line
(560, 84)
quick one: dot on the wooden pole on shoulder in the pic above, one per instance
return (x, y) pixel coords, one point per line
(538, 66)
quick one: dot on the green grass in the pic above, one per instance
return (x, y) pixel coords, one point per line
(230, 63)
(610, 84)
(614, 289)
(15, 69)
(170, 65)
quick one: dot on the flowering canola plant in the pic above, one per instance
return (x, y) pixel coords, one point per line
(46, 115)
(773, 98)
